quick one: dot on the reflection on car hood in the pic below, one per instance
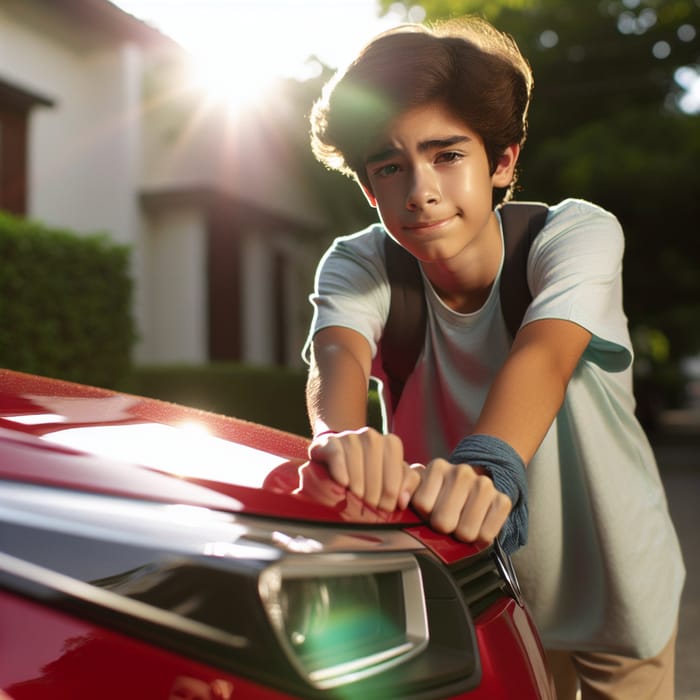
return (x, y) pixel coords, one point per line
(91, 439)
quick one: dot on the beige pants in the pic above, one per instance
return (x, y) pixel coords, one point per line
(611, 677)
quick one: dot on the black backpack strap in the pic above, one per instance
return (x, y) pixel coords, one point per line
(522, 221)
(404, 332)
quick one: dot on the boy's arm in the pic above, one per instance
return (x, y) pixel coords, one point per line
(370, 464)
(528, 392)
(338, 380)
(520, 407)
(458, 499)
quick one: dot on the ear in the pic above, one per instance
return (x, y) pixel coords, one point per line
(368, 195)
(505, 167)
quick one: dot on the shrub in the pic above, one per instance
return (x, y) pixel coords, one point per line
(269, 395)
(65, 303)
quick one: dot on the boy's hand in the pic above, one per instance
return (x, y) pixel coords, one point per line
(461, 500)
(370, 464)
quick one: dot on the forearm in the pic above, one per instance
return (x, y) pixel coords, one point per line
(520, 407)
(336, 389)
(529, 391)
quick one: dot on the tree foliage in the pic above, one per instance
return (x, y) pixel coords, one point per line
(606, 124)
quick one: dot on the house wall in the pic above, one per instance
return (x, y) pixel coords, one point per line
(111, 139)
(95, 139)
(175, 322)
(258, 277)
(85, 162)
(84, 154)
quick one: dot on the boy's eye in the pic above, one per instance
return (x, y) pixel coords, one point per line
(386, 170)
(449, 157)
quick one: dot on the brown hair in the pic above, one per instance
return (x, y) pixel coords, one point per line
(475, 70)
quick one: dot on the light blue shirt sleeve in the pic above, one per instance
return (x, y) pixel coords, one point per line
(575, 274)
(351, 289)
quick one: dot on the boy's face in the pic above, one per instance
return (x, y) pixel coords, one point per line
(431, 182)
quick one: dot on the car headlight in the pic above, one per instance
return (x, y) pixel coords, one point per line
(342, 618)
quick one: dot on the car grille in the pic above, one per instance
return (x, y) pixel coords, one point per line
(480, 581)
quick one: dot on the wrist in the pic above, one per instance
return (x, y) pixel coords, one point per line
(507, 470)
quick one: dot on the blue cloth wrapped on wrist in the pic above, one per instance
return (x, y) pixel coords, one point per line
(505, 466)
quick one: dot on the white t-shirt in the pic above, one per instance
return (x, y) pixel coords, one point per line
(602, 570)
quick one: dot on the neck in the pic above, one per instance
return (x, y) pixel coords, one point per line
(464, 281)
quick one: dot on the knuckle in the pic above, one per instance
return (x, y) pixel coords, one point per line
(394, 444)
(442, 522)
(484, 485)
(418, 500)
(332, 447)
(488, 532)
(467, 532)
(390, 490)
(369, 435)
(503, 500)
(393, 438)
(465, 475)
(373, 438)
(412, 479)
(438, 465)
(349, 441)
(421, 502)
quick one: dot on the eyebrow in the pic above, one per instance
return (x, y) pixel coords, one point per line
(423, 146)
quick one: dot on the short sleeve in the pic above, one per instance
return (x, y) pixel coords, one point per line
(351, 289)
(575, 274)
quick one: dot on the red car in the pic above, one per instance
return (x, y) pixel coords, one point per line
(154, 552)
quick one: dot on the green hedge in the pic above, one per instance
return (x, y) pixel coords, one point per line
(269, 395)
(65, 303)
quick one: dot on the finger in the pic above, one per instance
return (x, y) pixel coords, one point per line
(496, 517)
(432, 482)
(316, 483)
(392, 472)
(412, 479)
(480, 497)
(329, 450)
(374, 463)
(354, 461)
(454, 494)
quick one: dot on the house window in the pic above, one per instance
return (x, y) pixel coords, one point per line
(15, 108)
(280, 308)
(13, 161)
(225, 296)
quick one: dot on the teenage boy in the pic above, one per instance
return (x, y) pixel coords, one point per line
(430, 122)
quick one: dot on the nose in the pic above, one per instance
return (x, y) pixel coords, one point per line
(424, 190)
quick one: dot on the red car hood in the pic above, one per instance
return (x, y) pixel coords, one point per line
(68, 435)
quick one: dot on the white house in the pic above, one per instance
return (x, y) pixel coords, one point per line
(99, 131)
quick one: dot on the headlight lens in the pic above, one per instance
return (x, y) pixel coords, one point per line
(343, 618)
(309, 606)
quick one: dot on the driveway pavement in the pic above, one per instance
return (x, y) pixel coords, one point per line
(678, 453)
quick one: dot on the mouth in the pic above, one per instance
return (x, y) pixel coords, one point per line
(432, 225)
